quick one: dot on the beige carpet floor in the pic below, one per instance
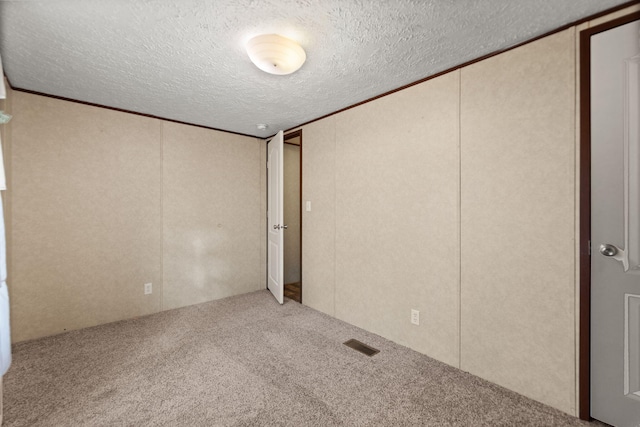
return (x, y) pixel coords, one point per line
(245, 361)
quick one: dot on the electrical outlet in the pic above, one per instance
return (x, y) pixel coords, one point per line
(415, 317)
(148, 288)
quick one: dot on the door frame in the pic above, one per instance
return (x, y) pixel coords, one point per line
(291, 135)
(584, 350)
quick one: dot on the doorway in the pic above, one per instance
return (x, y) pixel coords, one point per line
(609, 230)
(293, 215)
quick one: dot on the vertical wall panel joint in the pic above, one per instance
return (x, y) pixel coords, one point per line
(459, 222)
(162, 282)
(335, 219)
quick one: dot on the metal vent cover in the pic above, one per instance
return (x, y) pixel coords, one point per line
(361, 347)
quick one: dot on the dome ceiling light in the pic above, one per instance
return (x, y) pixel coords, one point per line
(275, 54)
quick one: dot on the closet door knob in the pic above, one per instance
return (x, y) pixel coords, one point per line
(608, 250)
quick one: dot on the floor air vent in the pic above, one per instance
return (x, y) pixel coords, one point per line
(361, 347)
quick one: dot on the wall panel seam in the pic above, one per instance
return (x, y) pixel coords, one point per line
(459, 222)
(335, 219)
(260, 216)
(162, 281)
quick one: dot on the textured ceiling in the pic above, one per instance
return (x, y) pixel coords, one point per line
(185, 60)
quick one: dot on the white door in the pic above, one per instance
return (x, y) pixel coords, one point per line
(275, 208)
(615, 225)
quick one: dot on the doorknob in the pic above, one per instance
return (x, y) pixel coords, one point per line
(278, 227)
(284, 226)
(608, 250)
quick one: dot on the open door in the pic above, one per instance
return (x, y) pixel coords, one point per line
(275, 209)
(615, 224)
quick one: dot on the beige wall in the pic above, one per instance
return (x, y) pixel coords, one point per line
(382, 235)
(443, 198)
(446, 197)
(103, 202)
(397, 218)
(86, 215)
(319, 225)
(517, 229)
(211, 215)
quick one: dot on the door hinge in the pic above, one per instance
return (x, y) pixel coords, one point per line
(589, 247)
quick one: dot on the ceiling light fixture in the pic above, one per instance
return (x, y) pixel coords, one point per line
(275, 54)
(262, 126)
